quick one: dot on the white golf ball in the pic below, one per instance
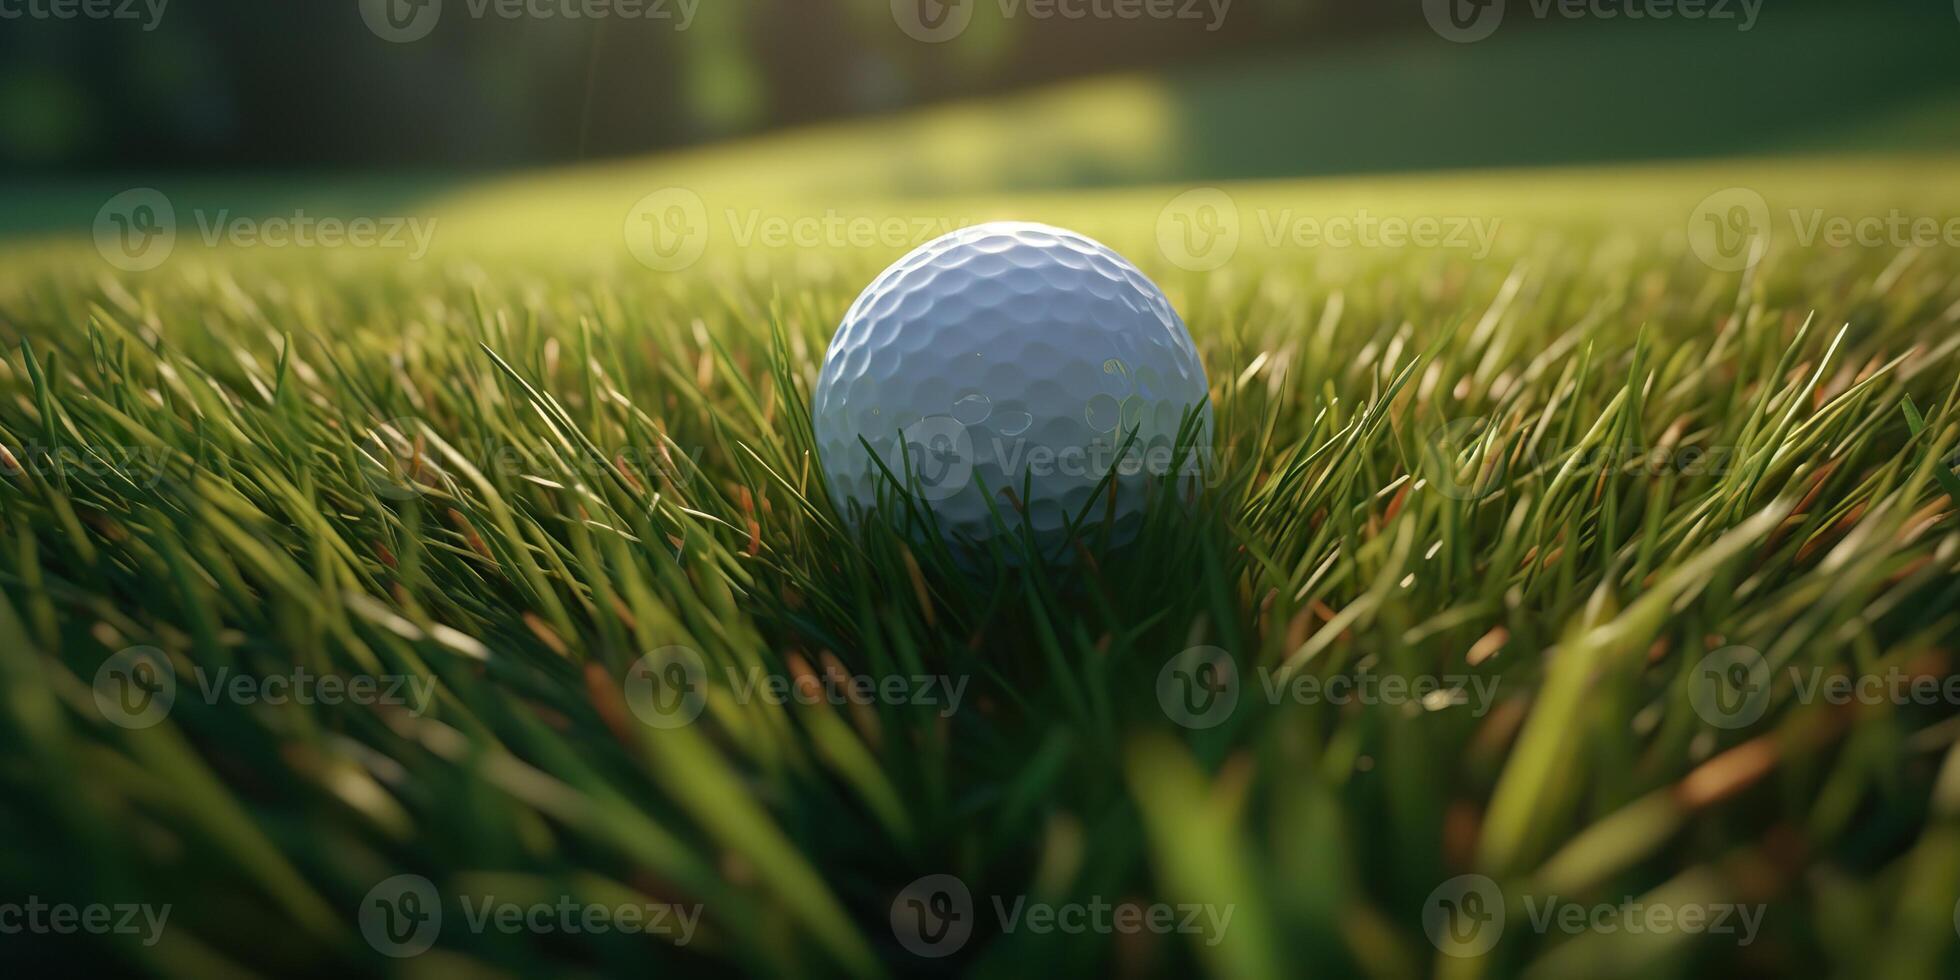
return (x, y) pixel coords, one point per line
(1006, 359)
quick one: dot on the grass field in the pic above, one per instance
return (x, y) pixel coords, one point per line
(1554, 474)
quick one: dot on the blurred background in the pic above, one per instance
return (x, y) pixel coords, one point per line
(644, 142)
(399, 96)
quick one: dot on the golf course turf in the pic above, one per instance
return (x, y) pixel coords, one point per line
(1475, 520)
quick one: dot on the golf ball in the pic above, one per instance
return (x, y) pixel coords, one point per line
(1011, 360)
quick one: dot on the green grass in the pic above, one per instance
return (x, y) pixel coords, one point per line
(513, 468)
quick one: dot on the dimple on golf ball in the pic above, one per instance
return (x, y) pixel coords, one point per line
(1011, 360)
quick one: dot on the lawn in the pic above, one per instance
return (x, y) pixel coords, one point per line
(1552, 474)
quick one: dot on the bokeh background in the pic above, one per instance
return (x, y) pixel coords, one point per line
(1594, 144)
(261, 100)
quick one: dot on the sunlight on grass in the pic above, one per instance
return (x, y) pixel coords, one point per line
(1565, 470)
